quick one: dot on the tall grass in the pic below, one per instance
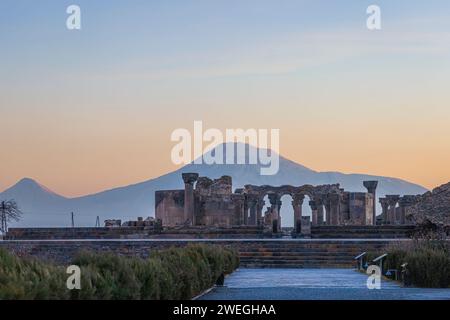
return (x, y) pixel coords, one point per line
(428, 261)
(175, 273)
(30, 279)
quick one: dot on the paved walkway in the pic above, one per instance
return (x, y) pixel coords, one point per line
(313, 284)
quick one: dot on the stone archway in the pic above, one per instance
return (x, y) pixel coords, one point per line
(287, 211)
(322, 201)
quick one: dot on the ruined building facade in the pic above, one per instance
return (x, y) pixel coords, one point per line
(397, 210)
(208, 202)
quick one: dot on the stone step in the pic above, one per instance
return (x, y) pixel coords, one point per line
(364, 227)
(303, 254)
(299, 263)
(300, 259)
(298, 253)
(308, 246)
(358, 236)
(299, 250)
(295, 254)
(356, 231)
(360, 232)
(314, 243)
(315, 258)
(296, 265)
(368, 228)
(293, 259)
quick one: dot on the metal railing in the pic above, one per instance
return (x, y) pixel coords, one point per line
(359, 260)
(379, 260)
(398, 275)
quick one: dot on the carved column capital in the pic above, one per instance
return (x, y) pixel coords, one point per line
(274, 199)
(371, 186)
(252, 199)
(334, 199)
(297, 199)
(383, 202)
(392, 199)
(189, 178)
(313, 205)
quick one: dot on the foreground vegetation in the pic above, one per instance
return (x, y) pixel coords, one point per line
(175, 273)
(428, 261)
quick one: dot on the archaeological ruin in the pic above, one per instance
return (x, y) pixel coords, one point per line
(212, 202)
(210, 209)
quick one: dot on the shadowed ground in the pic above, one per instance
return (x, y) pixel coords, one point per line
(313, 284)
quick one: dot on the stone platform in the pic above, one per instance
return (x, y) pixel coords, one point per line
(362, 232)
(58, 233)
(202, 232)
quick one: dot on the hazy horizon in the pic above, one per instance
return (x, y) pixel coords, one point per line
(89, 110)
(188, 166)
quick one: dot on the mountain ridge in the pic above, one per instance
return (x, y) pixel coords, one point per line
(46, 208)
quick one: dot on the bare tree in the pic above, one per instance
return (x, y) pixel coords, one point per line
(9, 211)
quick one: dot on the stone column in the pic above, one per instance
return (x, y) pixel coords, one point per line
(238, 201)
(335, 201)
(278, 213)
(259, 209)
(252, 202)
(306, 227)
(297, 205)
(189, 206)
(319, 203)
(385, 206)
(313, 206)
(275, 203)
(392, 201)
(371, 187)
(245, 217)
(328, 212)
(405, 202)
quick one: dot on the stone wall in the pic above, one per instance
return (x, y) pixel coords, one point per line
(80, 233)
(169, 207)
(217, 211)
(244, 232)
(361, 208)
(213, 204)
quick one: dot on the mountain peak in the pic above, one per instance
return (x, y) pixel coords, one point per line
(29, 185)
(45, 208)
(241, 153)
(27, 181)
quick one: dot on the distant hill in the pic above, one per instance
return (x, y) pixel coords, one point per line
(43, 207)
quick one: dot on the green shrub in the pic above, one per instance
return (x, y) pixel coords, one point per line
(429, 267)
(428, 262)
(29, 278)
(174, 273)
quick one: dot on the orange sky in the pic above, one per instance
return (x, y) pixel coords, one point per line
(74, 163)
(87, 111)
(105, 138)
